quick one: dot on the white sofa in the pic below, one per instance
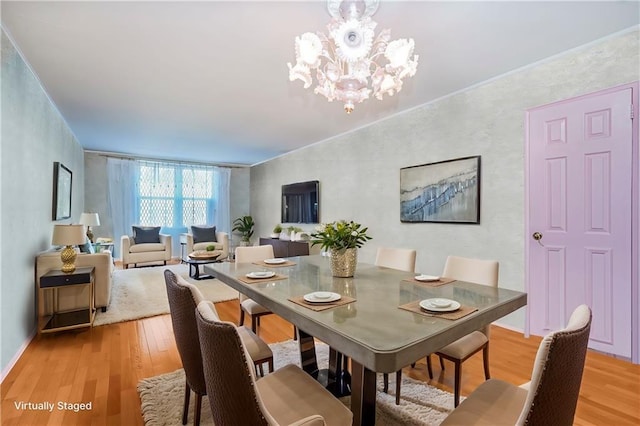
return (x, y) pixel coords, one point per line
(133, 253)
(72, 297)
(221, 244)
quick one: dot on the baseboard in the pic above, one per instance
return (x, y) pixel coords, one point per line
(16, 357)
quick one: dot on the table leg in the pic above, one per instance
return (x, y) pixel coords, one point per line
(336, 378)
(194, 271)
(363, 394)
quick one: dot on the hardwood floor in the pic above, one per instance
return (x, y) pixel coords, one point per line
(103, 365)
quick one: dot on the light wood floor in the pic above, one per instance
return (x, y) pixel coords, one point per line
(104, 364)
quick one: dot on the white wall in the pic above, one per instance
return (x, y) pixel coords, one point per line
(359, 172)
(34, 135)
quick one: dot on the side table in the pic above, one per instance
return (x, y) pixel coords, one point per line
(57, 320)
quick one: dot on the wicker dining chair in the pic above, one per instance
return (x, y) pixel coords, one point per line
(183, 299)
(550, 398)
(288, 396)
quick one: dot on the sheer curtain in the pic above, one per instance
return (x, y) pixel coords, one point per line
(122, 197)
(222, 212)
(171, 195)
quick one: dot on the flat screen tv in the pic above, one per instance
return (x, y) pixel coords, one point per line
(300, 202)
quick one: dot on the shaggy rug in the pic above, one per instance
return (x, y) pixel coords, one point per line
(141, 293)
(420, 404)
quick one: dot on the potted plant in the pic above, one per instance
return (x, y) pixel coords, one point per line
(276, 231)
(343, 239)
(293, 231)
(244, 226)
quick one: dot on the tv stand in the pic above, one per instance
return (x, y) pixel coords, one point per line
(282, 248)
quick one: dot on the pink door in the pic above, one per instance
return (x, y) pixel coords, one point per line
(579, 197)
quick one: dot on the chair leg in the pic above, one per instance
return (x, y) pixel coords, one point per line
(196, 415)
(485, 357)
(456, 386)
(254, 324)
(398, 384)
(270, 363)
(441, 363)
(241, 322)
(429, 369)
(185, 409)
(385, 377)
(295, 333)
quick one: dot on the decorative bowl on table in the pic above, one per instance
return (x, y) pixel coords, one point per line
(205, 254)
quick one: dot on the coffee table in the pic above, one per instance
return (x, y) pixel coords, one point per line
(194, 265)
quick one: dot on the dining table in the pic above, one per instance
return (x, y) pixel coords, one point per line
(371, 324)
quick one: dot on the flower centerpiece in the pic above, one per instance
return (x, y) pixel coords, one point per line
(343, 239)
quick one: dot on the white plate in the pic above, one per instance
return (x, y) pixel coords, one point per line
(429, 305)
(255, 275)
(322, 297)
(426, 278)
(274, 261)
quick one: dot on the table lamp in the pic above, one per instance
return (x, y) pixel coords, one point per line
(89, 220)
(68, 235)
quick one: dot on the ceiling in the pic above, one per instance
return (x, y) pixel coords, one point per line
(208, 81)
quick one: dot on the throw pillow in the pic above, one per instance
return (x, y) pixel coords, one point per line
(204, 234)
(146, 234)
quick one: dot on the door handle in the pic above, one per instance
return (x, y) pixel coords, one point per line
(537, 236)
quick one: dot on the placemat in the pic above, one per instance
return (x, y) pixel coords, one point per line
(460, 313)
(278, 265)
(441, 281)
(248, 280)
(344, 300)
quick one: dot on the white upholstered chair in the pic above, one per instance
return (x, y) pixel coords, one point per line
(402, 260)
(255, 310)
(135, 249)
(475, 271)
(396, 258)
(288, 396)
(550, 398)
(201, 237)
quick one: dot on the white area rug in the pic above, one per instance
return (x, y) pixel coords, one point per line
(420, 404)
(141, 293)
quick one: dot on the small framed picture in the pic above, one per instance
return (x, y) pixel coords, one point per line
(62, 178)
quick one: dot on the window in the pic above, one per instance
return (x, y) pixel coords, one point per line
(175, 195)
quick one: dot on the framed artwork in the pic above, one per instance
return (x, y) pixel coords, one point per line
(61, 191)
(445, 192)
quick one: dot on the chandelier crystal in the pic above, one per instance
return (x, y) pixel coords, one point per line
(350, 61)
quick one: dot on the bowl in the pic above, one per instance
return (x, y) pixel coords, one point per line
(440, 303)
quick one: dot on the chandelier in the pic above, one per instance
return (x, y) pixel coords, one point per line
(349, 60)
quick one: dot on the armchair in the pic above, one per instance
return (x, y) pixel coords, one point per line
(199, 238)
(147, 245)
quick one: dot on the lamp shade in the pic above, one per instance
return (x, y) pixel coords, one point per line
(89, 219)
(68, 235)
